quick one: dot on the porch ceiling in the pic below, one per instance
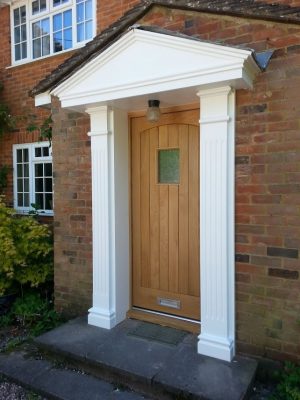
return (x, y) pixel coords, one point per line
(144, 64)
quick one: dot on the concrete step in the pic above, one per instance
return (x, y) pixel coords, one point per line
(45, 378)
(155, 369)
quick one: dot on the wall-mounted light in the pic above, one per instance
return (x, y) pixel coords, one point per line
(153, 112)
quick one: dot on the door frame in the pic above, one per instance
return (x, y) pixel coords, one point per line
(136, 312)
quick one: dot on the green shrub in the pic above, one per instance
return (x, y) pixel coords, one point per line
(289, 383)
(34, 313)
(26, 251)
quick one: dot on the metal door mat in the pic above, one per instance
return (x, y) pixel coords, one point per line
(157, 333)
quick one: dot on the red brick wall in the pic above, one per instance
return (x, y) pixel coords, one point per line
(73, 212)
(267, 177)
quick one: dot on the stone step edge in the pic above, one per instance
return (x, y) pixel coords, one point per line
(38, 382)
(113, 375)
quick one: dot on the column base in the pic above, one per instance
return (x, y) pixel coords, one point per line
(100, 318)
(217, 347)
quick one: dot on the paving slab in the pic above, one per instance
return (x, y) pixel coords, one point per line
(113, 349)
(63, 384)
(206, 377)
(162, 369)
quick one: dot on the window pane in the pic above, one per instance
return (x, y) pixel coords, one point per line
(38, 170)
(48, 169)
(38, 151)
(23, 33)
(48, 185)
(39, 200)
(56, 3)
(68, 39)
(45, 151)
(20, 200)
(168, 166)
(67, 18)
(80, 12)
(23, 14)
(19, 170)
(26, 170)
(18, 52)
(45, 26)
(26, 185)
(25, 155)
(35, 7)
(57, 45)
(16, 16)
(88, 10)
(24, 50)
(17, 35)
(19, 155)
(43, 5)
(46, 45)
(80, 32)
(20, 185)
(36, 31)
(26, 199)
(48, 201)
(37, 48)
(89, 30)
(57, 22)
(39, 186)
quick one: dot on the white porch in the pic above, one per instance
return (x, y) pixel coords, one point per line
(143, 65)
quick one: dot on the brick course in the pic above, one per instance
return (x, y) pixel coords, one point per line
(267, 176)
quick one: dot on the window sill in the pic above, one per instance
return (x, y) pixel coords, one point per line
(39, 214)
(25, 62)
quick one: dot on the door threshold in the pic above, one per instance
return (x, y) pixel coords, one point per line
(164, 319)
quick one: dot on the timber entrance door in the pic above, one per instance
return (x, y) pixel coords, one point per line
(165, 213)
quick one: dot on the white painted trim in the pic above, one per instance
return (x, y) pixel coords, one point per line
(110, 199)
(48, 13)
(217, 338)
(231, 66)
(42, 99)
(32, 160)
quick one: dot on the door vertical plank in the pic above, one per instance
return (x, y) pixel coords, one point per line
(164, 221)
(145, 210)
(154, 210)
(173, 220)
(135, 207)
(194, 275)
(183, 227)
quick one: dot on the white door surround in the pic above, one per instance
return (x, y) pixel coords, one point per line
(139, 66)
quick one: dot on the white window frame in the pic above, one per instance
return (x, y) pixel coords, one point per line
(32, 160)
(49, 12)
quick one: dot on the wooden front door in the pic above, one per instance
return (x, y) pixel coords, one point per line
(165, 213)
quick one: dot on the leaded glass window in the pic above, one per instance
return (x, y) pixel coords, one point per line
(168, 166)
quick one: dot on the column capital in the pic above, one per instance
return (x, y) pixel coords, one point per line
(97, 110)
(100, 120)
(223, 90)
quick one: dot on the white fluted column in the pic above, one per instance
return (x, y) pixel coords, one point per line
(217, 338)
(109, 137)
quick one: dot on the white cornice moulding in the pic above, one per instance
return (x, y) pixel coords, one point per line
(161, 63)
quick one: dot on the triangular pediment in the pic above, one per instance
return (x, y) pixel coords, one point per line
(143, 62)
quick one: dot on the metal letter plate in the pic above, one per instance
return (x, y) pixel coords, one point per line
(169, 303)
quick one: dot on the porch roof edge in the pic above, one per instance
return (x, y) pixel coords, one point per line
(116, 30)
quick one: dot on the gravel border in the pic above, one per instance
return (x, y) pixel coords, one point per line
(11, 391)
